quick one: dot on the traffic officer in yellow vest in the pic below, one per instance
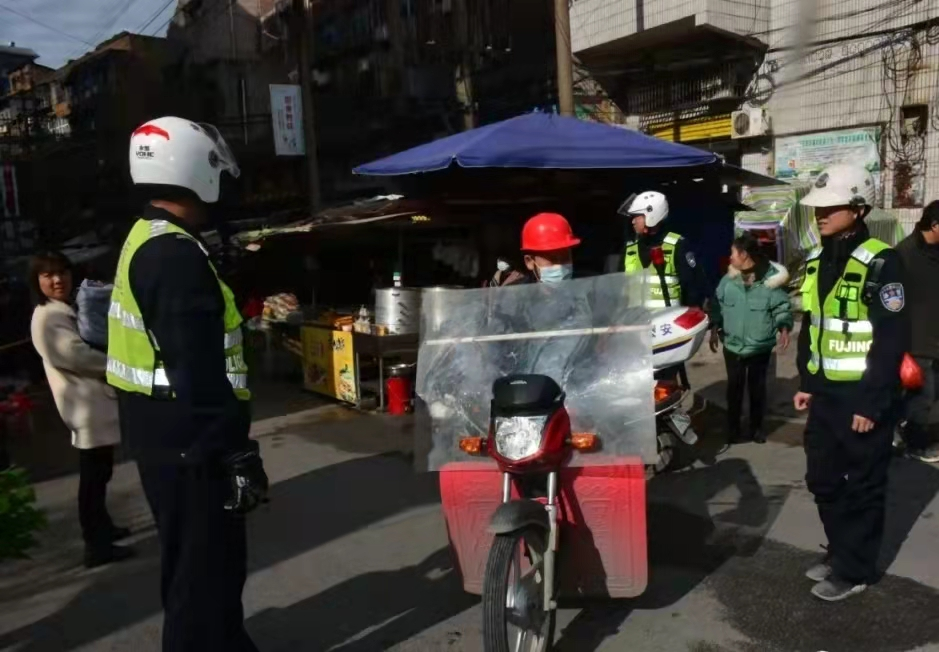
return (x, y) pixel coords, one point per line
(683, 279)
(854, 334)
(175, 357)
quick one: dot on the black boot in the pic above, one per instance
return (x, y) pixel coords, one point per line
(119, 533)
(99, 555)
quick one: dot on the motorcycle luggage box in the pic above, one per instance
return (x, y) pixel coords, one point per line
(602, 550)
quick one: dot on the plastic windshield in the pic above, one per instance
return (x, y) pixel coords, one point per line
(226, 159)
(583, 333)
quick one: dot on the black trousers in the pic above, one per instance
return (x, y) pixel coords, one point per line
(204, 558)
(847, 474)
(95, 467)
(919, 404)
(749, 372)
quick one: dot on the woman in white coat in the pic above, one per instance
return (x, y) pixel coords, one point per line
(87, 405)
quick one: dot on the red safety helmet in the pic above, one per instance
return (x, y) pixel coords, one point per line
(548, 232)
(911, 375)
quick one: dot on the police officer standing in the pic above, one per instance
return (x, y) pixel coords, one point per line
(854, 334)
(175, 356)
(682, 276)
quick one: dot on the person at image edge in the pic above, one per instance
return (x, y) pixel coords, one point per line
(920, 255)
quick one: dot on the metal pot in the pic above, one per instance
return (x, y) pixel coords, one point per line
(399, 309)
(435, 315)
(401, 370)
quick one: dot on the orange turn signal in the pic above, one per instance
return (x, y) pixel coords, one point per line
(663, 390)
(472, 445)
(584, 441)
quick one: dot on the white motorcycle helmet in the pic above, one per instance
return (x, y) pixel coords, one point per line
(176, 152)
(842, 185)
(652, 204)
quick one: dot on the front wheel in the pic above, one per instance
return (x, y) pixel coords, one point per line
(514, 618)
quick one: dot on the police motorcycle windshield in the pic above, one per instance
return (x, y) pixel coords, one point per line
(583, 333)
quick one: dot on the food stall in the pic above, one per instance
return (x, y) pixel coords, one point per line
(351, 341)
(336, 361)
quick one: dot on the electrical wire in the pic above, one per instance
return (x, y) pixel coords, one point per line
(42, 24)
(110, 16)
(116, 10)
(143, 28)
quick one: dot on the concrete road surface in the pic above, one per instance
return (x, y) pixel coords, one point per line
(351, 554)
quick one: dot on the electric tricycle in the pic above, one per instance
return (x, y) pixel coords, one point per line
(543, 425)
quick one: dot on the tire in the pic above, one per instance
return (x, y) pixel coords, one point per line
(668, 448)
(496, 588)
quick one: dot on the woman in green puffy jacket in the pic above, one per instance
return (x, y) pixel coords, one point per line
(751, 308)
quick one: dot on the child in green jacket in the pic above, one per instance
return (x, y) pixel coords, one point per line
(751, 307)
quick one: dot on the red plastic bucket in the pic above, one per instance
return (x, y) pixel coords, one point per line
(398, 395)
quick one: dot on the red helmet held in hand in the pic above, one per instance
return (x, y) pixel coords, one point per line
(911, 375)
(548, 232)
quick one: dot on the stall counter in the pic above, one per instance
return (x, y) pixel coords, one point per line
(332, 360)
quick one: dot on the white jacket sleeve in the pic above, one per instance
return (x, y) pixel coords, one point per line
(55, 336)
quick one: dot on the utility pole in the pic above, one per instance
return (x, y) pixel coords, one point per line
(242, 94)
(303, 28)
(562, 37)
(463, 75)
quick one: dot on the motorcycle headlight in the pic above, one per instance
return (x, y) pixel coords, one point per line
(518, 437)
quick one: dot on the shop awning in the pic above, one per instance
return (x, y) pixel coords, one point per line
(737, 176)
(542, 141)
(368, 211)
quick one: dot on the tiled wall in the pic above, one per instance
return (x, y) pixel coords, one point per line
(846, 82)
(594, 22)
(840, 82)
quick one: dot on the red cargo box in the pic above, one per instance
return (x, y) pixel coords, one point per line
(603, 551)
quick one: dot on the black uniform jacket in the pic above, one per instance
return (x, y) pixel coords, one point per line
(182, 305)
(878, 388)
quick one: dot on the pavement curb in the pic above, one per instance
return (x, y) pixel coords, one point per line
(270, 426)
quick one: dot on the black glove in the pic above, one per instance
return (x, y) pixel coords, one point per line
(248, 480)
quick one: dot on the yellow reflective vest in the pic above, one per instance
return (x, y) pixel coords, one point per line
(134, 363)
(654, 297)
(840, 334)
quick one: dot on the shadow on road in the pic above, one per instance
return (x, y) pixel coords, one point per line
(686, 543)
(370, 612)
(766, 599)
(305, 512)
(913, 486)
(760, 583)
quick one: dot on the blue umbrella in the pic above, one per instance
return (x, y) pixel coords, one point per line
(544, 141)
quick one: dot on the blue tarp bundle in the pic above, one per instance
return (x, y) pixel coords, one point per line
(541, 140)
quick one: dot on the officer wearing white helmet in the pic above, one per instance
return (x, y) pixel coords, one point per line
(854, 334)
(175, 357)
(680, 274)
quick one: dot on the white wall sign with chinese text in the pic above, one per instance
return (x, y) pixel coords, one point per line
(804, 157)
(287, 116)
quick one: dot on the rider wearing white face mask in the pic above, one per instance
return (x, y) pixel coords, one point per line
(547, 240)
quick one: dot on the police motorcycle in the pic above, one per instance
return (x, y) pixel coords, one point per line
(677, 335)
(542, 423)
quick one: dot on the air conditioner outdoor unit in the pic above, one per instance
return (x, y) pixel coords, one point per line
(749, 123)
